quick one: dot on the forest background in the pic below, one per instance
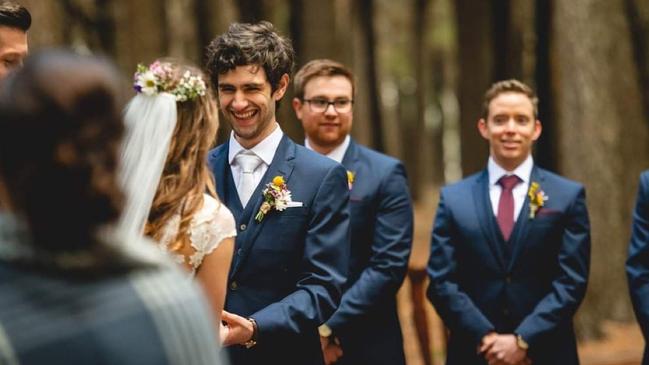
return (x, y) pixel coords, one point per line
(422, 67)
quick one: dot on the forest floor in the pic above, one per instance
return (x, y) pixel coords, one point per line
(622, 343)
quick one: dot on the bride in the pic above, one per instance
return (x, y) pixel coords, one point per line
(171, 124)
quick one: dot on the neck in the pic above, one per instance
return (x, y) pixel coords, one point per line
(509, 165)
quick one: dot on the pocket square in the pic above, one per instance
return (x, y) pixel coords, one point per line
(547, 211)
(294, 204)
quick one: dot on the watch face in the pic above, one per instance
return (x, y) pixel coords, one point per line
(324, 330)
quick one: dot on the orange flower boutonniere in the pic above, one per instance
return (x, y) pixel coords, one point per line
(276, 195)
(537, 198)
(350, 179)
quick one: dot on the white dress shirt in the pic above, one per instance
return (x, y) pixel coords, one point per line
(338, 153)
(523, 171)
(264, 150)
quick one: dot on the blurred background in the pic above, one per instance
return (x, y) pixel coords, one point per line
(422, 67)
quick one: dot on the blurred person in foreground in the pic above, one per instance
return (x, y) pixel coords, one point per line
(510, 247)
(15, 21)
(637, 264)
(72, 290)
(290, 205)
(171, 124)
(365, 328)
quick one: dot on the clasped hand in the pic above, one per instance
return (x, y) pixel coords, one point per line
(235, 330)
(502, 349)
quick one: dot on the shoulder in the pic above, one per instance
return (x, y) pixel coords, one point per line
(644, 178)
(465, 185)
(313, 160)
(377, 160)
(552, 180)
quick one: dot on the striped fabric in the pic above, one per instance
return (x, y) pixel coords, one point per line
(148, 317)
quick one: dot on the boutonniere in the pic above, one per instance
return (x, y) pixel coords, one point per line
(350, 179)
(537, 198)
(276, 195)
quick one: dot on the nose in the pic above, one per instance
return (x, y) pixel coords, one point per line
(239, 101)
(330, 110)
(510, 126)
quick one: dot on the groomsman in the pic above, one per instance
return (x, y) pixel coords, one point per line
(15, 20)
(290, 206)
(365, 328)
(510, 247)
(637, 265)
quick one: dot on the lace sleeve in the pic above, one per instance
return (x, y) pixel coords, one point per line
(211, 225)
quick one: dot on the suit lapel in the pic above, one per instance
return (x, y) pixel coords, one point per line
(523, 223)
(282, 165)
(351, 157)
(486, 217)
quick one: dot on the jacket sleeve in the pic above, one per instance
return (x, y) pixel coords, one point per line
(390, 250)
(323, 268)
(569, 286)
(637, 267)
(455, 307)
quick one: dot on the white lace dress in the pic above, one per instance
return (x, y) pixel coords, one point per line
(210, 226)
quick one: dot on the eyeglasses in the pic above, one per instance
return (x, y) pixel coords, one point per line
(321, 105)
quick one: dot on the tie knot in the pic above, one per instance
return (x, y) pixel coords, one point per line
(509, 182)
(247, 161)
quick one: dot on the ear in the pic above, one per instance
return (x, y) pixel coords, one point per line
(483, 129)
(538, 128)
(297, 107)
(281, 87)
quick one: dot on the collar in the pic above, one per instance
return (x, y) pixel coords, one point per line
(264, 149)
(523, 171)
(338, 153)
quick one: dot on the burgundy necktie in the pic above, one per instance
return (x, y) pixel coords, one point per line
(505, 215)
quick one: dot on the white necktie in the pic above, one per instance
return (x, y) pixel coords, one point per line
(248, 162)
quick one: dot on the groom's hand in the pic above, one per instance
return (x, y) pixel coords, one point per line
(331, 350)
(237, 330)
(505, 351)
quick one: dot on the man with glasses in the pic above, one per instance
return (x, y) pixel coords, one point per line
(365, 328)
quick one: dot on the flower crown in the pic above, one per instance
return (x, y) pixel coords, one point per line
(158, 78)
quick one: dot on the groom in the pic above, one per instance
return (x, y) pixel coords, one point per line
(291, 253)
(510, 247)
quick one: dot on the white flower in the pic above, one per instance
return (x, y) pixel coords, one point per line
(148, 83)
(282, 202)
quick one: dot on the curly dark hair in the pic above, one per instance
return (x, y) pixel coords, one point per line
(251, 44)
(60, 131)
(14, 15)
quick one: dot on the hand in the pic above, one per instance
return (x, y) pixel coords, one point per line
(505, 351)
(331, 350)
(487, 341)
(236, 330)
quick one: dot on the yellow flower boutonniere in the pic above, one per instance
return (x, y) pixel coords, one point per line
(537, 198)
(276, 195)
(350, 179)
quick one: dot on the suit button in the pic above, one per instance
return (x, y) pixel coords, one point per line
(242, 227)
(508, 279)
(240, 252)
(234, 285)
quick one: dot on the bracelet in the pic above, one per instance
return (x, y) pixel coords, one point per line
(253, 339)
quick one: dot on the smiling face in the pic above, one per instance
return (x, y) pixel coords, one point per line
(13, 49)
(325, 130)
(248, 104)
(510, 128)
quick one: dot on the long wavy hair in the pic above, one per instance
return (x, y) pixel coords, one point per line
(185, 177)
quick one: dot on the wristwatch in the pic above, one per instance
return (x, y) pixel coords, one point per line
(253, 340)
(520, 342)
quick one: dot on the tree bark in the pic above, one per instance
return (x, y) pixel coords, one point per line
(476, 65)
(603, 138)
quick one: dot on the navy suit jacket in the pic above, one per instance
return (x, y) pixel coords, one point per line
(381, 220)
(288, 270)
(637, 265)
(531, 285)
